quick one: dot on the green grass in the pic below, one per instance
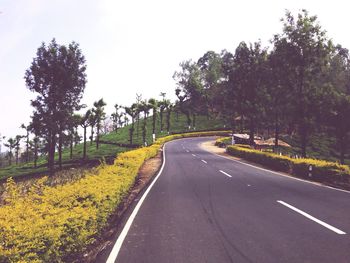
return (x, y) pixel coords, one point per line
(108, 151)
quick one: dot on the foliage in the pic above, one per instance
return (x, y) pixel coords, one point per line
(53, 224)
(322, 171)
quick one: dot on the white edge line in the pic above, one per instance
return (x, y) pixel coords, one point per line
(204, 161)
(284, 175)
(334, 229)
(225, 173)
(116, 248)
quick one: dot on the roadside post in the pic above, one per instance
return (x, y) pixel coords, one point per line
(310, 171)
(153, 137)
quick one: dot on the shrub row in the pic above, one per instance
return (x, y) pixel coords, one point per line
(322, 171)
(54, 224)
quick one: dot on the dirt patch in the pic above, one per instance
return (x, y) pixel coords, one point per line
(148, 170)
(209, 146)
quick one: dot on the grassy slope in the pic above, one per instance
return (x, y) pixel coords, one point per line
(106, 150)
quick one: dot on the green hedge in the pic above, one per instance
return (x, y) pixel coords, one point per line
(322, 171)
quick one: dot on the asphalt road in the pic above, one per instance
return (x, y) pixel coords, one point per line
(206, 208)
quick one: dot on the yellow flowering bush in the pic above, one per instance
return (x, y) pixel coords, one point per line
(322, 171)
(53, 224)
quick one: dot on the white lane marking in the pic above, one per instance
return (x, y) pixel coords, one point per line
(193, 154)
(280, 174)
(225, 173)
(248, 185)
(116, 248)
(187, 151)
(334, 229)
(204, 161)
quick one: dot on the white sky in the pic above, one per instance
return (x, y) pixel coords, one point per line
(135, 46)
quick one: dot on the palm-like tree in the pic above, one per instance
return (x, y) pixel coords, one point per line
(154, 106)
(85, 123)
(132, 112)
(100, 115)
(11, 144)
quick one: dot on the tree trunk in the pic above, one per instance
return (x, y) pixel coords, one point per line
(342, 148)
(303, 139)
(92, 135)
(84, 151)
(251, 132)
(60, 142)
(144, 131)
(168, 121)
(194, 121)
(35, 154)
(51, 153)
(98, 136)
(276, 132)
(161, 120)
(154, 122)
(27, 148)
(10, 156)
(17, 150)
(71, 147)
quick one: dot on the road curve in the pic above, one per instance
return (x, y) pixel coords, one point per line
(206, 208)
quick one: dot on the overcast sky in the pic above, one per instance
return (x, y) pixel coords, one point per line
(135, 46)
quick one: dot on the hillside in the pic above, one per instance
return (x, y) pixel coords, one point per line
(108, 152)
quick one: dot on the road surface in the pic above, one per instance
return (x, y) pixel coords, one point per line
(207, 208)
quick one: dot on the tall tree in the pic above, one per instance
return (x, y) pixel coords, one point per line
(144, 107)
(132, 112)
(309, 51)
(100, 115)
(92, 123)
(85, 123)
(11, 144)
(26, 128)
(57, 75)
(154, 106)
(116, 116)
(169, 108)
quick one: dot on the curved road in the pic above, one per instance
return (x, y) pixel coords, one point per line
(206, 208)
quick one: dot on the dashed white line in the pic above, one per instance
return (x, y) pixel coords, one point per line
(193, 154)
(334, 229)
(225, 173)
(204, 161)
(187, 151)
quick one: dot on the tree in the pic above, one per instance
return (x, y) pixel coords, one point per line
(144, 107)
(17, 146)
(57, 75)
(92, 123)
(1, 139)
(132, 112)
(210, 66)
(154, 106)
(11, 144)
(308, 56)
(73, 123)
(189, 89)
(169, 107)
(250, 74)
(338, 119)
(36, 128)
(116, 116)
(161, 105)
(85, 123)
(26, 128)
(99, 115)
